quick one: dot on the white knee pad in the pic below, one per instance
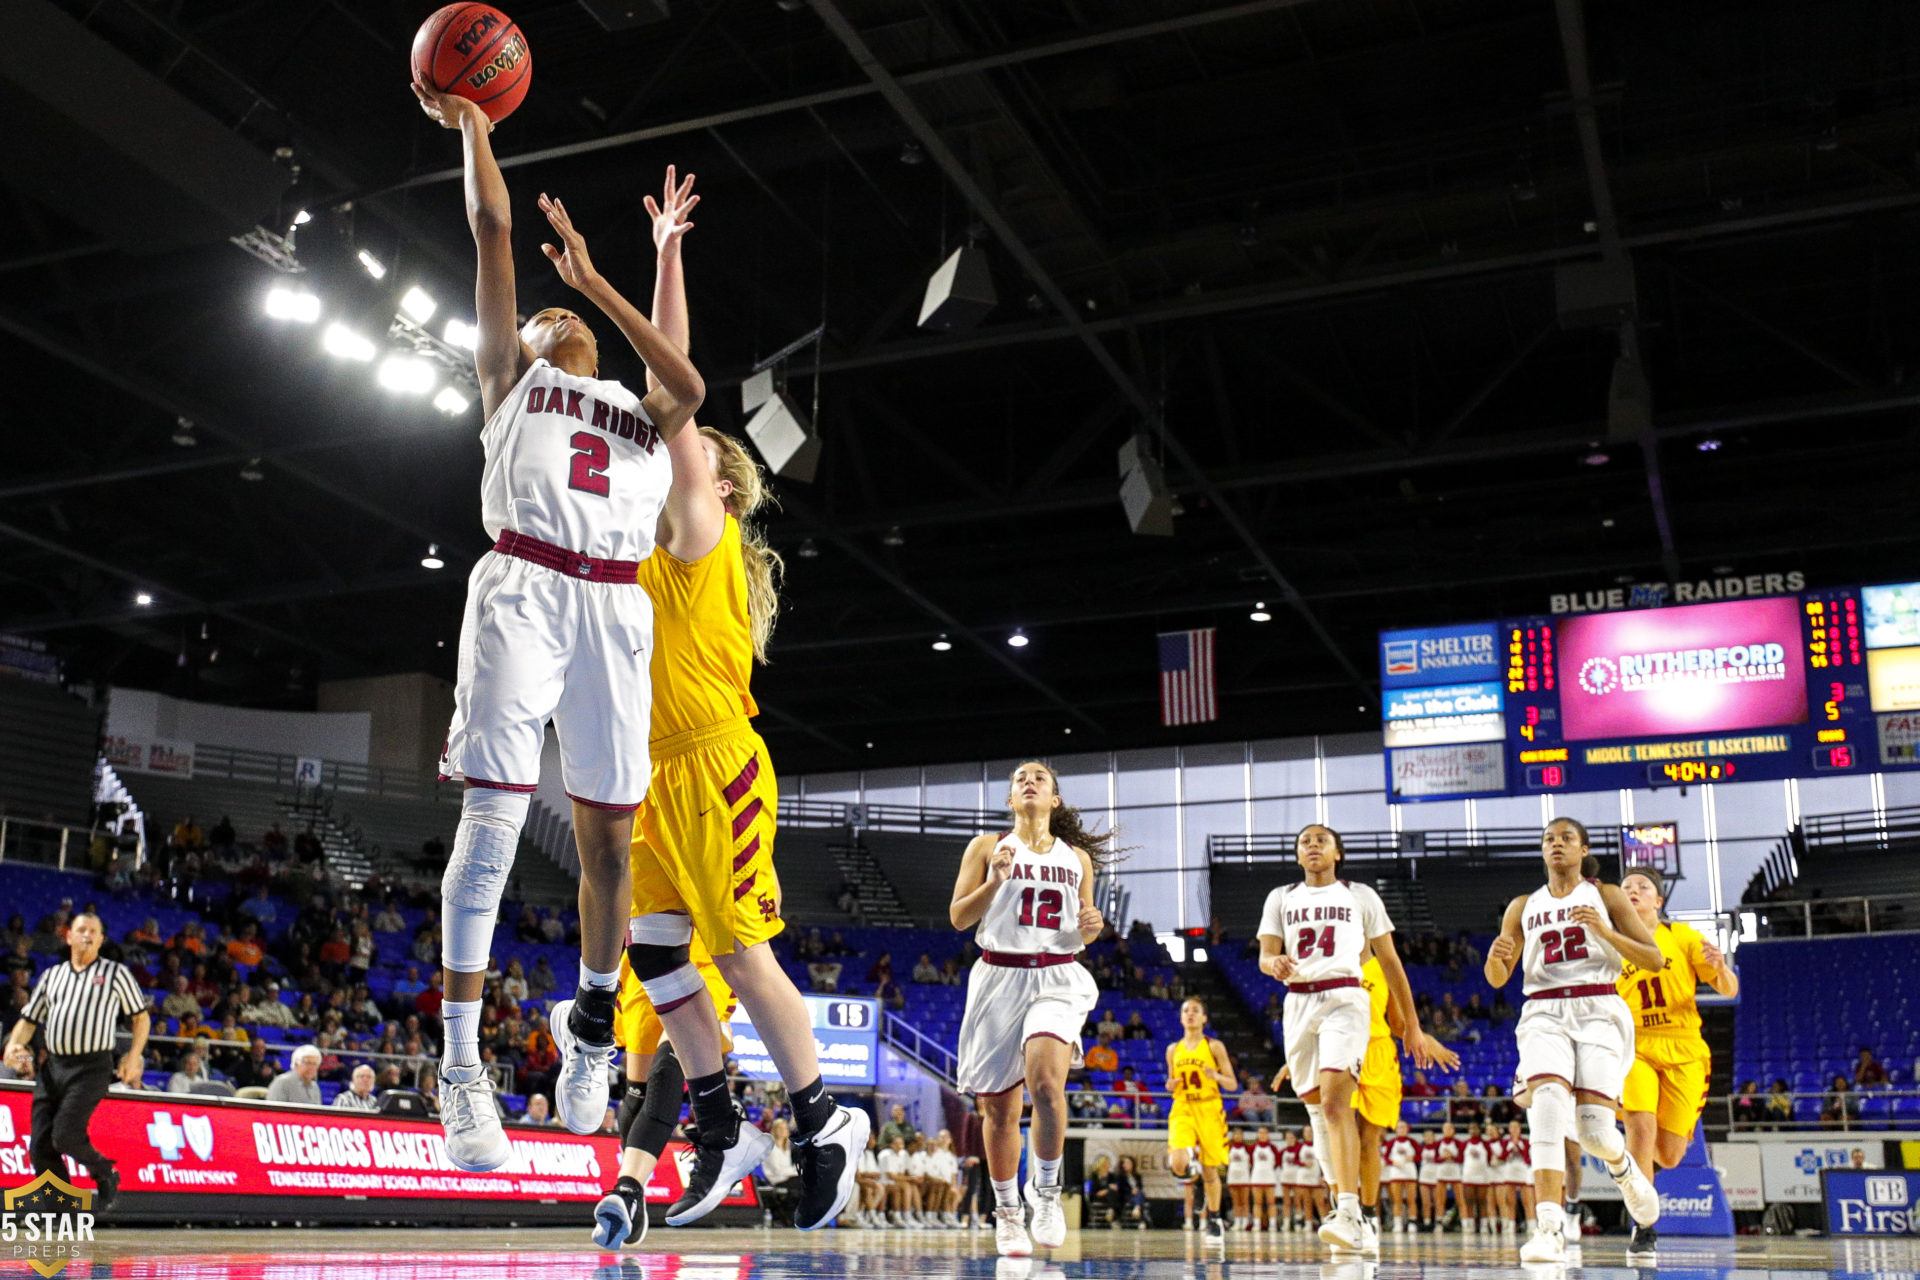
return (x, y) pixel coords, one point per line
(1549, 1120)
(1599, 1135)
(484, 845)
(1322, 1144)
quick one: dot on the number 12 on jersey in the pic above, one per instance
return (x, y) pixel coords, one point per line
(1041, 907)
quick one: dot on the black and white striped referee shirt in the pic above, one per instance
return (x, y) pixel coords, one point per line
(79, 1010)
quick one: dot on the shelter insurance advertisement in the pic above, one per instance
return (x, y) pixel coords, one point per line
(1697, 669)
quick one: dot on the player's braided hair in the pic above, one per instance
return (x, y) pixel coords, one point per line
(1065, 823)
(764, 566)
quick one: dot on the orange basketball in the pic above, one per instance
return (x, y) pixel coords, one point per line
(477, 52)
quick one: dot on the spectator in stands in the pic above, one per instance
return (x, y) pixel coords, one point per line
(1454, 974)
(527, 928)
(416, 1029)
(891, 995)
(542, 979)
(179, 1002)
(307, 1012)
(1475, 1011)
(50, 936)
(1779, 1103)
(274, 843)
(16, 929)
(1445, 1024)
(1499, 1108)
(362, 955)
(1086, 1106)
(513, 983)
(427, 1003)
(1868, 1073)
(358, 1095)
(950, 975)
(836, 945)
(426, 947)
(222, 837)
(306, 846)
(1216, 932)
(246, 948)
(1420, 1088)
(191, 939)
(231, 1032)
(1102, 1056)
(334, 953)
(849, 902)
(260, 907)
(896, 1125)
(881, 970)
(925, 972)
(783, 1176)
(1132, 1091)
(188, 836)
(1136, 1029)
(1501, 1011)
(254, 1070)
(552, 928)
(539, 1111)
(191, 1071)
(1462, 1108)
(267, 1011)
(1841, 1106)
(301, 1083)
(1749, 1108)
(1157, 988)
(1136, 984)
(1109, 1026)
(808, 945)
(1140, 934)
(389, 920)
(20, 958)
(539, 1058)
(824, 975)
(1256, 1104)
(146, 935)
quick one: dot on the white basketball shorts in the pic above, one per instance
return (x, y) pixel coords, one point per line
(1430, 1175)
(536, 645)
(1006, 1007)
(1325, 1031)
(1585, 1040)
(1475, 1173)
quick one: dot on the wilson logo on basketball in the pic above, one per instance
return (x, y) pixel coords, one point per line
(505, 60)
(467, 43)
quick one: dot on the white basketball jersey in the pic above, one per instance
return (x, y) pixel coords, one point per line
(1559, 952)
(1037, 911)
(1266, 1159)
(574, 462)
(1402, 1153)
(1326, 928)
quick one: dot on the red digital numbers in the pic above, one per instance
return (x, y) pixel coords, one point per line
(1553, 776)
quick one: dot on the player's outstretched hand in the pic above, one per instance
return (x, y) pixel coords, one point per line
(1000, 865)
(570, 259)
(448, 109)
(1429, 1053)
(1279, 968)
(1505, 950)
(1280, 1077)
(670, 214)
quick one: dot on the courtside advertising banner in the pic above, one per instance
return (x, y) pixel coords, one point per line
(179, 1143)
(1863, 1203)
(1790, 1164)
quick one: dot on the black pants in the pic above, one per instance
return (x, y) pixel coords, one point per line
(69, 1088)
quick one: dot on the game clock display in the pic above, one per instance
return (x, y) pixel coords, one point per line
(1743, 690)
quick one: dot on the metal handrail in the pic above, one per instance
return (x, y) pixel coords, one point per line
(922, 1048)
(1825, 917)
(43, 844)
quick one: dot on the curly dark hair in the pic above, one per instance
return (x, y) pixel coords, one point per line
(1065, 823)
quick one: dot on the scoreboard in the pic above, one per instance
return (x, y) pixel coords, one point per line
(1817, 683)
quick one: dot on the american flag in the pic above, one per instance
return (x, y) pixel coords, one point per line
(1186, 677)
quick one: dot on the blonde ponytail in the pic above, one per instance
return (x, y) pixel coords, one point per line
(763, 564)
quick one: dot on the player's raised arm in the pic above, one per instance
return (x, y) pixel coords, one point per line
(1504, 954)
(983, 869)
(1623, 929)
(695, 514)
(670, 405)
(499, 356)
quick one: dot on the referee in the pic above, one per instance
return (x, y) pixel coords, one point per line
(78, 1004)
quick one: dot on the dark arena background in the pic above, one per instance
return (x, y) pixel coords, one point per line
(1419, 417)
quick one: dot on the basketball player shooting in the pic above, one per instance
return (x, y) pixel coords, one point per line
(556, 627)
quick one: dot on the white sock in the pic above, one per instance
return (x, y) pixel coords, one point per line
(1551, 1216)
(1348, 1202)
(1047, 1172)
(1006, 1195)
(462, 1021)
(594, 980)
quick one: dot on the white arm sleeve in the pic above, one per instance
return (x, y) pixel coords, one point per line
(1273, 918)
(1373, 912)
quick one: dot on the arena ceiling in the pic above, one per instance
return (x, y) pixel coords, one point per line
(1308, 248)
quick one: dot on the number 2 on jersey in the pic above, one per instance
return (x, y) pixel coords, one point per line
(589, 474)
(1309, 939)
(1049, 903)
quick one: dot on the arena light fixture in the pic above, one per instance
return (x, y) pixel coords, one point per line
(341, 341)
(183, 433)
(292, 304)
(1710, 445)
(302, 218)
(418, 304)
(1595, 459)
(461, 334)
(1260, 613)
(143, 599)
(893, 538)
(450, 402)
(1018, 639)
(407, 375)
(432, 559)
(375, 268)
(943, 644)
(809, 550)
(252, 471)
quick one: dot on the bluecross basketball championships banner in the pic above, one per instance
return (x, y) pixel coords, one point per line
(180, 1143)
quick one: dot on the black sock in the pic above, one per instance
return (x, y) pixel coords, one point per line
(813, 1106)
(630, 1186)
(591, 1020)
(713, 1111)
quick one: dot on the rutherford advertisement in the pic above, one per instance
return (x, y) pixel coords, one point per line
(1700, 669)
(1436, 655)
(1860, 1203)
(179, 1143)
